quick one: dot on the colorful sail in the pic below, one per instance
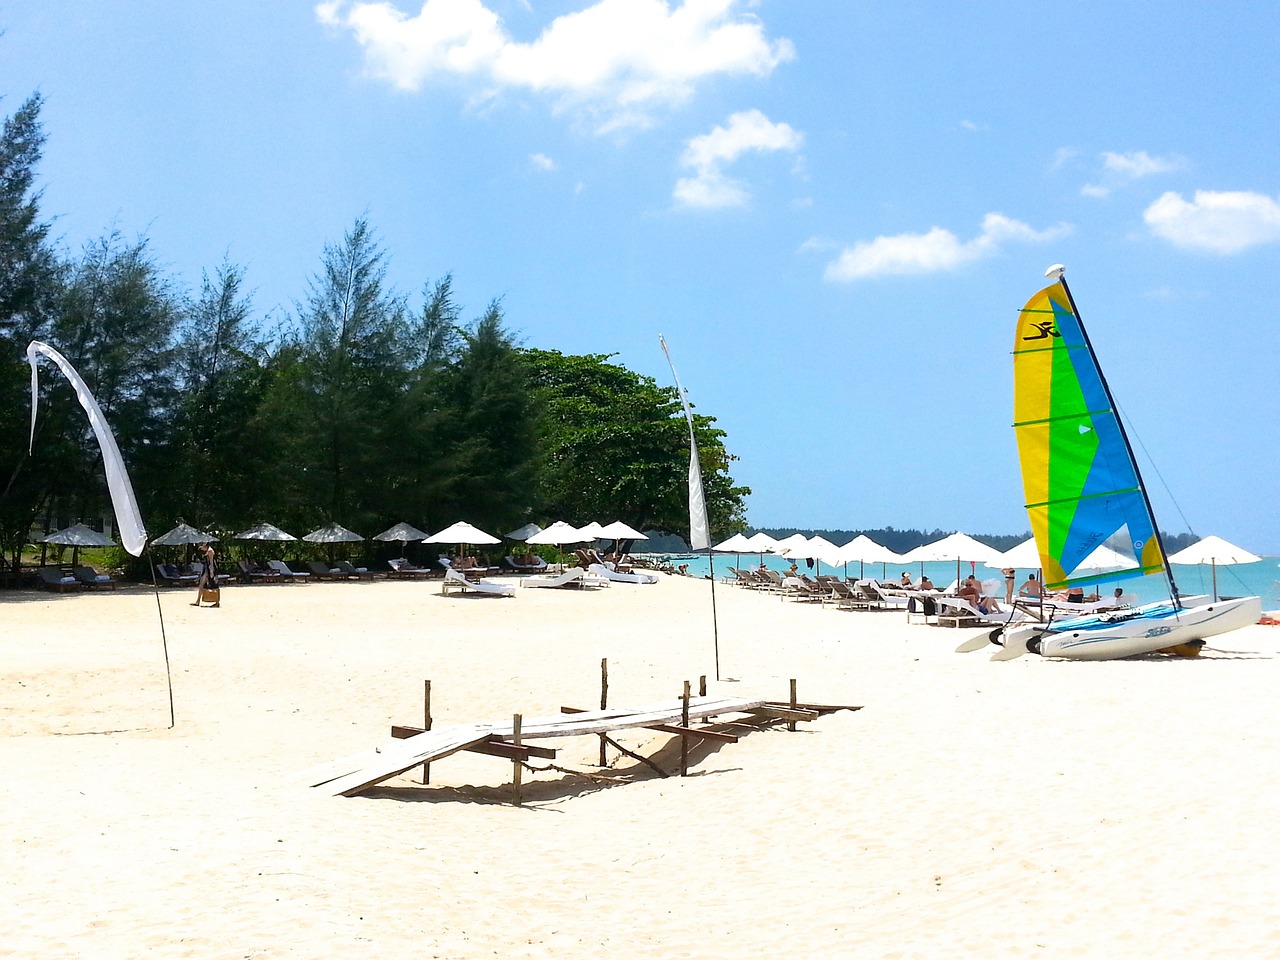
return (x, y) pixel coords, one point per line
(1082, 488)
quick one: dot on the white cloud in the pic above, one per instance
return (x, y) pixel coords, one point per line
(1216, 222)
(542, 162)
(616, 60)
(1095, 190)
(748, 131)
(1139, 164)
(933, 252)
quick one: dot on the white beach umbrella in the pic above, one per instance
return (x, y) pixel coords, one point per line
(620, 531)
(78, 535)
(865, 550)
(462, 532)
(761, 543)
(592, 531)
(957, 546)
(1213, 551)
(558, 534)
(265, 531)
(522, 533)
(401, 533)
(794, 545)
(1026, 555)
(183, 534)
(333, 533)
(735, 544)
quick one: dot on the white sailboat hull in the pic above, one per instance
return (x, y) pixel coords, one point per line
(1133, 632)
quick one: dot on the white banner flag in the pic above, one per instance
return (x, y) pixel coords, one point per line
(128, 520)
(699, 538)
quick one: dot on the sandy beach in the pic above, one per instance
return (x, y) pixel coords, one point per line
(1027, 809)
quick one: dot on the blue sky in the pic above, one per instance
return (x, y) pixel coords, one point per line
(831, 209)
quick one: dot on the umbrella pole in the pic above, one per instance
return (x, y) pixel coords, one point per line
(1213, 564)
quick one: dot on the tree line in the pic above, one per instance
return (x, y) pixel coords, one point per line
(364, 406)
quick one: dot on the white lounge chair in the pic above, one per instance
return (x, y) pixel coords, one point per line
(600, 570)
(573, 577)
(958, 612)
(458, 580)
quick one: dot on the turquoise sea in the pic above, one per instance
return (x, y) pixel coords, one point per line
(1261, 579)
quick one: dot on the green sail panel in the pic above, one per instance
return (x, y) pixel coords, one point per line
(1080, 483)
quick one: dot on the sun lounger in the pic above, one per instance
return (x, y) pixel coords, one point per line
(52, 578)
(538, 566)
(793, 588)
(171, 577)
(457, 580)
(958, 612)
(600, 570)
(322, 571)
(259, 574)
(285, 572)
(402, 569)
(354, 572)
(94, 580)
(573, 577)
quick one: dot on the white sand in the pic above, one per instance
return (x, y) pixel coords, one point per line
(1029, 809)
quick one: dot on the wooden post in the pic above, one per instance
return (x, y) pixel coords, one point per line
(791, 724)
(702, 685)
(517, 767)
(426, 725)
(684, 739)
(604, 703)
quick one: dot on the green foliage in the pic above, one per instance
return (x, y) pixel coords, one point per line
(615, 444)
(361, 412)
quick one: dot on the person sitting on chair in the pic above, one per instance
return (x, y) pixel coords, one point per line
(1031, 588)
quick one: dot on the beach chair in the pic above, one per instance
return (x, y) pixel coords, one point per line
(600, 570)
(94, 580)
(402, 569)
(171, 577)
(793, 588)
(354, 572)
(52, 578)
(322, 571)
(958, 612)
(511, 563)
(573, 577)
(286, 573)
(456, 579)
(255, 573)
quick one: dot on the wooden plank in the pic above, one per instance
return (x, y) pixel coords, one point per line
(784, 713)
(492, 748)
(702, 732)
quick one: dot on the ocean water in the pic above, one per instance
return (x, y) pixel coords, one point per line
(1261, 579)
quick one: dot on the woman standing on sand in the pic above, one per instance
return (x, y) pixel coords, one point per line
(208, 577)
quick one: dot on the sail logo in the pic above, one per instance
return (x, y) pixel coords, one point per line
(1044, 329)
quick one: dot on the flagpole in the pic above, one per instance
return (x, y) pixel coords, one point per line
(699, 535)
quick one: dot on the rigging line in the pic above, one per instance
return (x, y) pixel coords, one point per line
(1154, 466)
(164, 640)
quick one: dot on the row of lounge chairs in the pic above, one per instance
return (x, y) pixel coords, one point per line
(80, 578)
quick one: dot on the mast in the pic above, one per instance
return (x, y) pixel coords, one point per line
(1059, 272)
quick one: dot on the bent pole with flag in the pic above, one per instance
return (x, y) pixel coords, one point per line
(133, 535)
(699, 536)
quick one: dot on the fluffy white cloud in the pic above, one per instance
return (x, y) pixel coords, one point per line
(1217, 222)
(615, 59)
(935, 251)
(542, 162)
(746, 132)
(1135, 166)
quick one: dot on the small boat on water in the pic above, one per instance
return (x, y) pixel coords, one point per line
(1083, 489)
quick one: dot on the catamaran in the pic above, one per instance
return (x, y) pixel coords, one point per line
(1083, 489)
